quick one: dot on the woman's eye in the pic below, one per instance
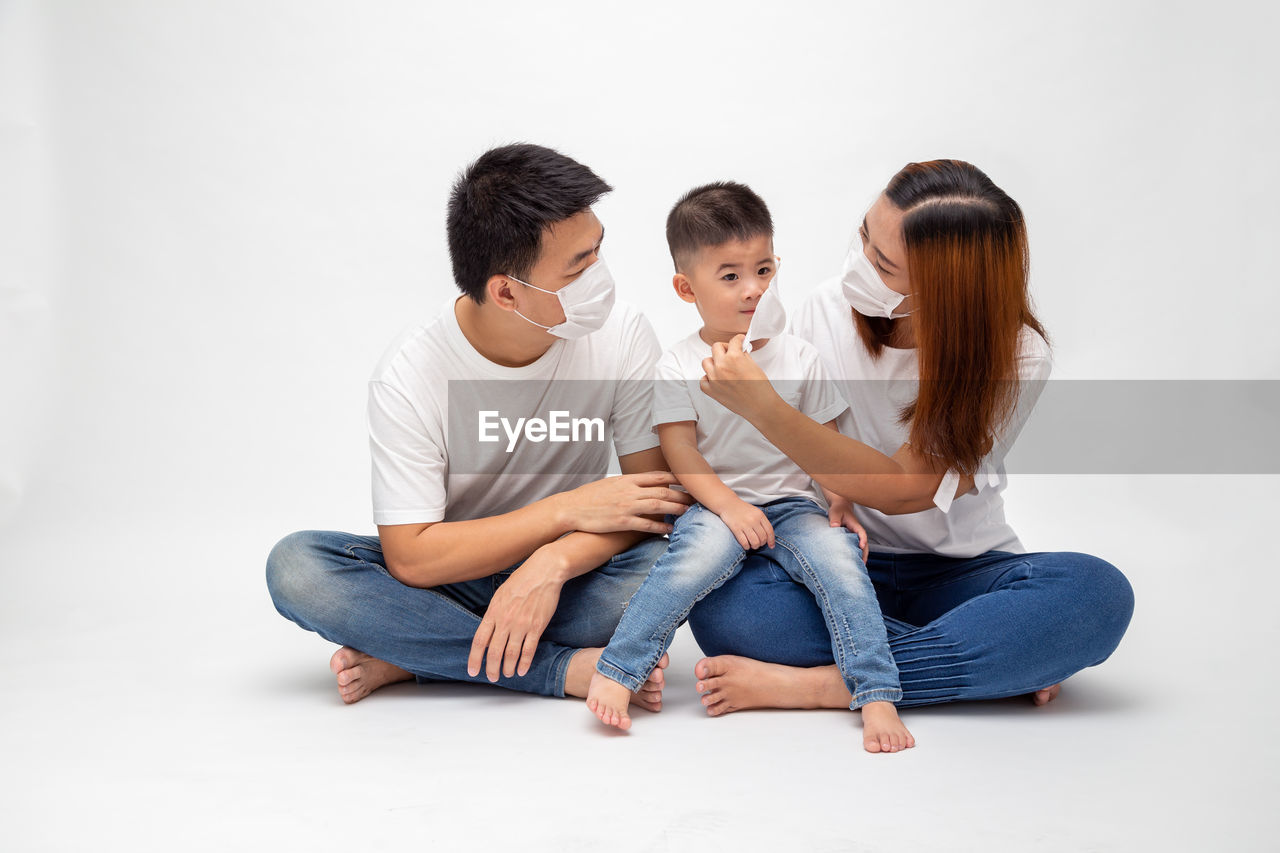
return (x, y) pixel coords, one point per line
(883, 271)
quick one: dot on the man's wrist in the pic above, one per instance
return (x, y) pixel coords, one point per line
(554, 563)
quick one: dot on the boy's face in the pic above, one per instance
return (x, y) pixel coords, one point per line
(726, 283)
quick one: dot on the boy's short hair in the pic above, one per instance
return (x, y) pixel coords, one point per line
(713, 214)
(501, 204)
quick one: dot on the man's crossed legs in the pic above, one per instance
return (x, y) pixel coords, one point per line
(337, 585)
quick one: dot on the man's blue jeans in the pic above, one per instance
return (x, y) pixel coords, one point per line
(823, 561)
(337, 585)
(988, 627)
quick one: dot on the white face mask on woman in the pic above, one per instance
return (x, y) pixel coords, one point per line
(865, 291)
(586, 301)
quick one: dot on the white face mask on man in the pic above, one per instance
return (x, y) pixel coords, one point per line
(865, 291)
(587, 302)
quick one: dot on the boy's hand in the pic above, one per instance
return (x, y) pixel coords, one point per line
(748, 525)
(841, 515)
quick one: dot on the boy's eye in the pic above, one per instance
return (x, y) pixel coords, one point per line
(733, 276)
(764, 270)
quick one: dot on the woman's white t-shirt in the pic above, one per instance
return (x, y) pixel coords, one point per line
(876, 390)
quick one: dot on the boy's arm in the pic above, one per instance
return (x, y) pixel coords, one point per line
(680, 446)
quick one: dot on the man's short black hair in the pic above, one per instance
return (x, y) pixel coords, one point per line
(713, 214)
(500, 205)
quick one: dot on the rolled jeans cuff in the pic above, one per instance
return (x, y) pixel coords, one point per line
(882, 694)
(612, 673)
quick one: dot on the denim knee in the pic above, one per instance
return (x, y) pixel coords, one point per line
(291, 571)
(1107, 597)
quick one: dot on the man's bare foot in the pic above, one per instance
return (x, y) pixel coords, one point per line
(882, 730)
(359, 674)
(608, 700)
(729, 683)
(1047, 695)
(582, 669)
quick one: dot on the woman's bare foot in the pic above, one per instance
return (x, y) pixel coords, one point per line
(729, 683)
(882, 730)
(582, 670)
(359, 674)
(1047, 695)
(608, 700)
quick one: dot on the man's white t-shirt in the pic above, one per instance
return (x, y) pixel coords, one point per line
(877, 389)
(744, 459)
(440, 450)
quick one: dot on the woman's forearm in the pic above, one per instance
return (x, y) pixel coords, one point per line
(895, 484)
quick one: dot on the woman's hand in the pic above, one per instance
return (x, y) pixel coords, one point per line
(841, 515)
(735, 381)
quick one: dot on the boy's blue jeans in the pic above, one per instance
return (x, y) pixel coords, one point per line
(984, 627)
(703, 554)
(337, 585)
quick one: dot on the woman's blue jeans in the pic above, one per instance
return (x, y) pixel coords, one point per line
(992, 626)
(337, 585)
(824, 562)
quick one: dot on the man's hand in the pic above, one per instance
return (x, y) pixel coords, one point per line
(622, 502)
(748, 524)
(841, 515)
(518, 614)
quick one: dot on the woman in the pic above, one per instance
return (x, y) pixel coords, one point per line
(931, 335)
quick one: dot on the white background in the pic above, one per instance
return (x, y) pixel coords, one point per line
(214, 216)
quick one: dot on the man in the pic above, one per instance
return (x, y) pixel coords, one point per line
(503, 554)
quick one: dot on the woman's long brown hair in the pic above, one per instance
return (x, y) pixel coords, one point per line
(967, 259)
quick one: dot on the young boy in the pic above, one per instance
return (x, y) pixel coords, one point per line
(749, 495)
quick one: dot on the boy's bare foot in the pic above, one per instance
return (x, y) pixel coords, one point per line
(582, 671)
(730, 683)
(359, 674)
(608, 700)
(882, 730)
(1047, 695)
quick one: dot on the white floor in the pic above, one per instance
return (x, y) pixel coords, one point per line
(155, 701)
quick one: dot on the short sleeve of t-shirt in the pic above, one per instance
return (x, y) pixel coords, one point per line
(672, 401)
(634, 398)
(408, 460)
(819, 398)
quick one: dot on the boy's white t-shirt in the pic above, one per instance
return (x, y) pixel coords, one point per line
(743, 458)
(877, 389)
(431, 386)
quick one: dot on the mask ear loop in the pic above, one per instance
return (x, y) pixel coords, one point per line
(517, 310)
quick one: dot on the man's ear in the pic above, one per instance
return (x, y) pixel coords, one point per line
(498, 289)
(683, 288)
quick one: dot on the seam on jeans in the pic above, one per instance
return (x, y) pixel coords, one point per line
(967, 576)
(846, 632)
(679, 620)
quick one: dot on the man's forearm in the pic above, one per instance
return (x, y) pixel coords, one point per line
(454, 551)
(581, 552)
